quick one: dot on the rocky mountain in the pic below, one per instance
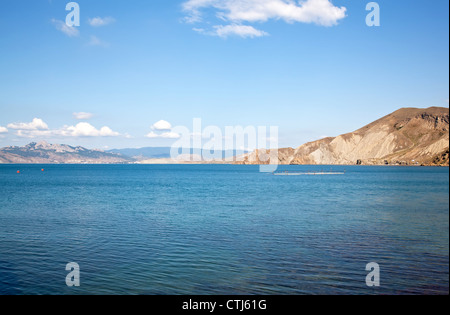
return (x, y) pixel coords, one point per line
(45, 153)
(409, 136)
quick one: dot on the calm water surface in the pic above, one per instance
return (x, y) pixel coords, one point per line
(222, 230)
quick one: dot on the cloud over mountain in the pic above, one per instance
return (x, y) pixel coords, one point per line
(36, 124)
(162, 125)
(38, 128)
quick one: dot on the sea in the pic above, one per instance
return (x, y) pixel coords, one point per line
(223, 230)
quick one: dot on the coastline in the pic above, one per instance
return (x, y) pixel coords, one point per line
(225, 163)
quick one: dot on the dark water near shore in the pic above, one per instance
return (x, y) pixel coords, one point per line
(219, 229)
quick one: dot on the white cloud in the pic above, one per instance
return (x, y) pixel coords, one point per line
(166, 131)
(34, 133)
(321, 12)
(244, 31)
(36, 124)
(237, 12)
(152, 135)
(165, 135)
(3, 130)
(70, 31)
(161, 125)
(38, 128)
(83, 116)
(98, 21)
(84, 129)
(170, 135)
(95, 41)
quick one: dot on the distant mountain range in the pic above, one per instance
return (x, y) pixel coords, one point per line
(409, 136)
(144, 153)
(164, 153)
(45, 153)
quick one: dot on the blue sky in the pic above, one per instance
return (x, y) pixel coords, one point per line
(313, 73)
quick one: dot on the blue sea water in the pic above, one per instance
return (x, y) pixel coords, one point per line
(222, 229)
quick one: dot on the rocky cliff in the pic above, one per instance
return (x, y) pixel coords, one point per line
(409, 136)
